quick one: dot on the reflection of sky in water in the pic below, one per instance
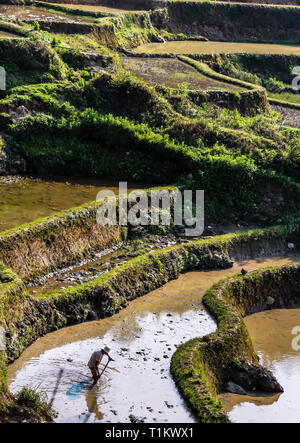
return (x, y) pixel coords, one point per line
(137, 380)
(14, 12)
(143, 338)
(29, 199)
(271, 335)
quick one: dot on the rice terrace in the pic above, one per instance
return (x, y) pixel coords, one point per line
(149, 213)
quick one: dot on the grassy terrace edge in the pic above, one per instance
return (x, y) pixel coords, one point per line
(24, 318)
(201, 366)
(252, 101)
(271, 22)
(258, 95)
(61, 239)
(110, 292)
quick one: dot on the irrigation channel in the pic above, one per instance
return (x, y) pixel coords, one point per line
(137, 386)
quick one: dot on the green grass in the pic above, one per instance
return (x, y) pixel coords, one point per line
(287, 97)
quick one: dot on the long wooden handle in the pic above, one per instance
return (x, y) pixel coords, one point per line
(104, 368)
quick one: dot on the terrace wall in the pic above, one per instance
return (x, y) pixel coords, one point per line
(234, 22)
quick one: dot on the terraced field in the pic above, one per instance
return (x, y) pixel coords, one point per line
(194, 47)
(288, 97)
(282, 3)
(4, 34)
(31, 13)
(95, 8)
(173, 73)
(186, 95)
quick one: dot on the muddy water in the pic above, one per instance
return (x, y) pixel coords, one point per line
(142, 339)
(194, 47)
(97, 8)
(271, 332)
(29, 13)
(29, 199)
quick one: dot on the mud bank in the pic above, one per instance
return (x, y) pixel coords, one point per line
(204, 85)
(171, 72)
(112, 291)
(125, 4)
(109, 293)
(29, 14)
(90, 8)
(59, 240)
(100, 263)
(202, 367)
(271, 333)
(51, 243)
(122, 4)
(142, 337)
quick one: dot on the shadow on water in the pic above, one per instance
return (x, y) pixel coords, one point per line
(142, 338)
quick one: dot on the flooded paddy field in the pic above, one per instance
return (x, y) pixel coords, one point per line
(30, 13)
(210, 47)
(137, 386)
(28, 199)
(172, 73)
(95, 8)
(271, 332)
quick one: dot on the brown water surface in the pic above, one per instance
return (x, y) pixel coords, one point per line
(30, 13)
(29, 199)
(142, 339)
(271, 332)
(209, 47)
(97, 8)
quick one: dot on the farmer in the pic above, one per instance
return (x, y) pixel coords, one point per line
(95, 360)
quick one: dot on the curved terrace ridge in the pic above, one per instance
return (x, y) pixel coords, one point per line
(202, 366)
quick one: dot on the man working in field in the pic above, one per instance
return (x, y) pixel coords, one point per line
(95, 360)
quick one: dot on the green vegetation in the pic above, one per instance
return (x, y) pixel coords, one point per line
(27, 406)
(230, 22)
(68, 10)
(29, 61)
(31, 399)
(109, 293)
(292, 99)
(274, 72)
(72, 108)
(120, 112)
(200, 367)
